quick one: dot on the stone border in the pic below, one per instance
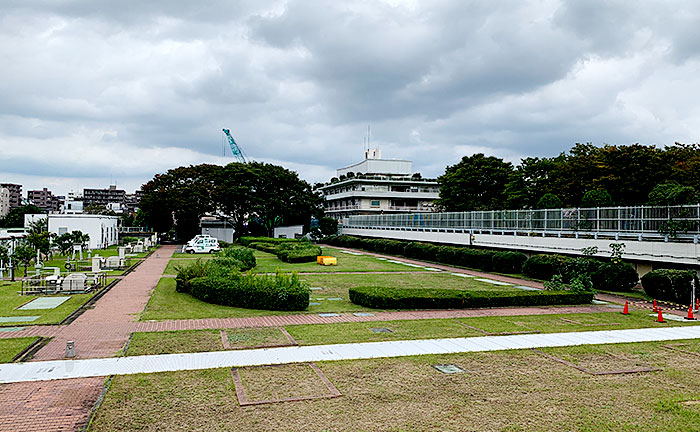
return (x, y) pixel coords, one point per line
(28, 352)
(597, 373)
(227, 346)
(675, 348)
(244, 401)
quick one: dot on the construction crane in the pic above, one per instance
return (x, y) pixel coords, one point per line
(237, 151)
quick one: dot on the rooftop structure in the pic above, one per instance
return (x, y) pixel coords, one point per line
(378, 186)
(104, 196)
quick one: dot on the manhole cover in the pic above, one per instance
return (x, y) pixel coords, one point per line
(328, 315)
(381, 330)
(363, 314)
(449, 369)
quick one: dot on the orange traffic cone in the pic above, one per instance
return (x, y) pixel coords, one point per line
(625, 311)
(697, 304)
(655, 308)
(660, 318)
(690, 313)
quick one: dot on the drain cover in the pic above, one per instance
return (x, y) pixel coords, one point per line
(381, 330)
(363, 314)
(449, 368)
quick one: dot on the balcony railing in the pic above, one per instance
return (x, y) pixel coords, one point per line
(675, 221)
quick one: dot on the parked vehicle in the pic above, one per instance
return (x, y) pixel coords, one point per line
(203, 244)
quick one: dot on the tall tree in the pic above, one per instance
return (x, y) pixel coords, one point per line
(15, 218)
(477, 182)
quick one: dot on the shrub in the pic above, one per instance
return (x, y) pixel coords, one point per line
(579, 266)
(672, 285)
(188, 272)
(125, 240)
(245, 241)
(508, 262)
(615, 276)
(544, 266)
(244, 255)
(474, 258)
(421, 251)
(404, 298)
(297, 252)
(278, 292)
(265, 247)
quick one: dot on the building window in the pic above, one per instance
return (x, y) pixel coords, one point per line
(374, 203)
(62, 230)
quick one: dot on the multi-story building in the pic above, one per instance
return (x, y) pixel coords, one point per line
(378, 186)
(45, 200)
(104, 196)
(15, 194)
(4, 202)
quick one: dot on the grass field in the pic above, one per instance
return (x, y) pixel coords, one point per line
(508, 390)
(166, 303)
(9, 348)
(10, 300)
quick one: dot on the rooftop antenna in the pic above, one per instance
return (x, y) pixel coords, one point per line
(368, 136)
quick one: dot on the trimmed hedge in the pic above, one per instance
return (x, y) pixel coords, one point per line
(509, 262)
(671, 285)
(613, 276)
(544, 266)
(244, 255)
(405, 298)
(291, 250)
(245, 241)
(280, 292)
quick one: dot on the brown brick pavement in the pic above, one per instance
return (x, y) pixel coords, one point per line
(100, 332)
(48, 405)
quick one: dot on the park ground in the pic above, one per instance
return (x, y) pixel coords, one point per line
(640, 386)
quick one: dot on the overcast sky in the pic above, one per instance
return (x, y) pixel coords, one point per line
(101, 91)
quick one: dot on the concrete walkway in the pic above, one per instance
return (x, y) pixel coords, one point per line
(68, 369)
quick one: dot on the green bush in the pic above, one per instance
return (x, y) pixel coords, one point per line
(244, 255)
(544, 266)
(615, 276)
(404, 298)
(188, 272)
(297, 252)
(579, 266)
(283, 292)
(671, 285)
(245, 241)
(265, 247)
(508, 262)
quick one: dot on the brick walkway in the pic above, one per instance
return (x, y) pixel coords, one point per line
(99, 332)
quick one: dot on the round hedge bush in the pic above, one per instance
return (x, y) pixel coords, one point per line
(613, 276)
(545, 266)
(671, 285)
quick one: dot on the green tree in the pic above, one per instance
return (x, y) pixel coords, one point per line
(549, 201)
(596, 198)
(669, 194)
(64, 243)
(477, 182)
(24, 254)
(15, 218)
(528, 182)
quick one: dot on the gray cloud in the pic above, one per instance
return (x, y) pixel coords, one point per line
(121, 90)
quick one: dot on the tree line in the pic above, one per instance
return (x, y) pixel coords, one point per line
(254, 198)
(585, 176)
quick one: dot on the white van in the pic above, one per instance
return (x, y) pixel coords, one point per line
(197, 237)
(203, 245)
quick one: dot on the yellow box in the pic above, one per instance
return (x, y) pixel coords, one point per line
(319, 259)
(329, 261)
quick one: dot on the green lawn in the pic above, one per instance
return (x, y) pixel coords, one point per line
(10, 300)
(170, 269)
(9, 348)
(513, 390)
(166, 303)
(172, 342)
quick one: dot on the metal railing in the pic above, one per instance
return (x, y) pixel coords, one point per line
(126, 230)
(674, 221)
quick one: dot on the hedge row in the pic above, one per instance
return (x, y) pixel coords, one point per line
(244, 255)
(291, 252)
(405, 298)
(482, 259)
(283, 292)
(217, 267)
(245, 241)
(671, 285)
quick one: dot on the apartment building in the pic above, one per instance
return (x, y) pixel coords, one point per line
(378, 186)
(15, 194)
(103, 196)
(45, 200)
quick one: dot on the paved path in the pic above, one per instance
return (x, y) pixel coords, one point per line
(100, 332)
(69, 369)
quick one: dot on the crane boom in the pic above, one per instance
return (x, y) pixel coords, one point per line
(237, 151)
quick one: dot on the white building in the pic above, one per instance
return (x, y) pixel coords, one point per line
(379, 186)
(4, 202)
(102, 229)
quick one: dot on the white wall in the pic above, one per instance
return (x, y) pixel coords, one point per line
(288, 231)
(103, 230)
